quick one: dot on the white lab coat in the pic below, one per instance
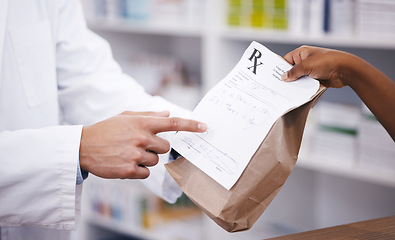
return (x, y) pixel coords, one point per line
(54, 70)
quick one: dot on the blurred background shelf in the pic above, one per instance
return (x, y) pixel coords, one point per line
(114, 226)
(284, 37)
(381, 176)
(165, 29)
(185, 229)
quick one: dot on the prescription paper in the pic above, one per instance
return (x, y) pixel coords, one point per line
(240, 111)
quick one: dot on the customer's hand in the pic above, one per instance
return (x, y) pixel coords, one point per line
(125, 145)
(332, 68)
(337, 69)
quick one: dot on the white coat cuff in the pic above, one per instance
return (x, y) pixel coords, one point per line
(41, 164)
(70, 205)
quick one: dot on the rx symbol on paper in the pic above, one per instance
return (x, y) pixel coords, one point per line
(254, 58)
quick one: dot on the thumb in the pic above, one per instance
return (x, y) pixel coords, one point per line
(294, 73)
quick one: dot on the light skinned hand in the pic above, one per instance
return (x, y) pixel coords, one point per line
(125, 145)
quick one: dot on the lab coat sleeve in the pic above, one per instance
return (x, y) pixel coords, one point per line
(43, 188)
(92, 87)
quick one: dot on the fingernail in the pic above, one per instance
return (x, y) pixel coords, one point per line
(202, 126)
(164, 113)
(284, 76)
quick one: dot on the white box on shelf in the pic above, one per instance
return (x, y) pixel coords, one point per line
(375, 145)
(375, 18)
(308, 136)
(336, 132)
(341, 19)
(298, 20)
(317, 9)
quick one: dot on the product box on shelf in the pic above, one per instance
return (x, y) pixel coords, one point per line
(376, 149)
(375, 18)
(341, 19)
(165, 76)
(144, 11)
(262, 14)
(128, 205)
(316, 18)
(335, 136)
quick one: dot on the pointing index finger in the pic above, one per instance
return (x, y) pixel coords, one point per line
(176, 124)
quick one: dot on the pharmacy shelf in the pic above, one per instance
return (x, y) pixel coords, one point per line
(118, 227)
(284, 37)
(149, 28)
(177, 229)
(194, 228)
(353, 171)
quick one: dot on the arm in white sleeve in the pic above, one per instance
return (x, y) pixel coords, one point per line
(38, 176)
(92, 87)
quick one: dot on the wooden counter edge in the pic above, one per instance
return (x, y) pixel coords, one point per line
(380, 228)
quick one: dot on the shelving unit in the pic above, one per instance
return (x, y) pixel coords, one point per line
(126, 207)
(116, 227)
(384, 177)
(172, 230)
(282, 37)
(176, 30)
(211, 49)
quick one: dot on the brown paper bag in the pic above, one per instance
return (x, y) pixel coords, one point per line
(240, 207)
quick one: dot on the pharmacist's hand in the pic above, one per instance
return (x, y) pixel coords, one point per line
(328, 66)
(125, 145)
